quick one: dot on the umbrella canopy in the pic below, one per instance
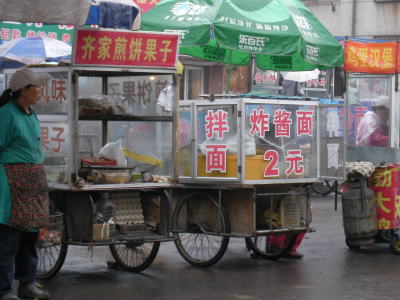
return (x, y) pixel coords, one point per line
(281, 34)
(33, 50)
(300, 76)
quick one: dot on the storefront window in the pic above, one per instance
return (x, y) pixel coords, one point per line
(191, 85)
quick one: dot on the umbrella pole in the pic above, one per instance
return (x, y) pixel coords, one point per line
(228, 72)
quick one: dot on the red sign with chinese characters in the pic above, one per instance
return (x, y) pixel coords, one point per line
(386, 184)
(125, 48)
(377, 58)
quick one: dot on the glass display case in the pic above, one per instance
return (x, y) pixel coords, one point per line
(257, 141)
(103, 127)
(373, 119)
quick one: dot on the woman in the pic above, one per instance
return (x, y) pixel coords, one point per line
(373, 129)
(23, 187)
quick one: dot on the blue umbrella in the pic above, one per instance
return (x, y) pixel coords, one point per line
(32, 50)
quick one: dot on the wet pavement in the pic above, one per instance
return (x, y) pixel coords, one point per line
(329, 270)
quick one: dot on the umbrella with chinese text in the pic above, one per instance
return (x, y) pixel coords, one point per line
(280, 34)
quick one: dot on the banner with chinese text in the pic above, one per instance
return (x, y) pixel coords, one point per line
(15, 30)
(375, 58)
(280, 141)
(125, 48)
(386, 184)
(285, 141)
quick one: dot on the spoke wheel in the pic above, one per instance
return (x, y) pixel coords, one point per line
(133, 256)
(323, 188)
(199, 220)
(271, 246)
(51, 251)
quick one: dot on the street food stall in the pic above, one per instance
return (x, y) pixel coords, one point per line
(245, 164)
(370, 209)
(108, 130)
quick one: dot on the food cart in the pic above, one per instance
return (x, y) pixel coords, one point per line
(116, 97)
(364, 89)
(369, 78)
(245, 164)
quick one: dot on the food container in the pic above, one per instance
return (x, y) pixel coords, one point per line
(117, 177)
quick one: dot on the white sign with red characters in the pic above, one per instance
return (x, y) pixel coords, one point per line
(282, 121)
(54, 137)
(216, 124)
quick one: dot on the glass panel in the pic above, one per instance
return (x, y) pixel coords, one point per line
(332, 144)
(141, 94)
(135, 147)
(195, 80)
(217, 141)
(265, 82)
(55, 95)
(89, 139)
(89, 86)
(185, 142)
(369, 111)
(281, 141)
(55, 141)
(317, 87)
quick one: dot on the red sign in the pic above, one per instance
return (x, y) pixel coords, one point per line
(377, 58)
(145, 5)
(125, 48)
(385, 182)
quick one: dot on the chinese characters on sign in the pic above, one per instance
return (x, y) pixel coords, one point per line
(123, 48)
(16, 30)
(370, 57)
(279, 122)
(282, 119)
(55, 90)
(54, 137)
(385, 182)
(216, 124)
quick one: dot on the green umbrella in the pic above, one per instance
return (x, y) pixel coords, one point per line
(280, 34)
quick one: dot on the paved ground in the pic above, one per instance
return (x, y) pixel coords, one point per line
(328, 271)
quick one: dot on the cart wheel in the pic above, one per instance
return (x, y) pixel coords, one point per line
(198, 222)
(134, 256)
(351, 246)
(323, 188)
(271, 246)
(51, 250)
(395, 244)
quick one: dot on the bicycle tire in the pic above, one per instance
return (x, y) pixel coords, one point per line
(212, 246)
(274, 251)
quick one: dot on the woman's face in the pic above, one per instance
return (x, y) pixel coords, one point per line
(31, 95)
(383, 114)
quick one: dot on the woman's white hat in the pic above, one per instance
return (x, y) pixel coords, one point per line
(23, 77)
(382, 101)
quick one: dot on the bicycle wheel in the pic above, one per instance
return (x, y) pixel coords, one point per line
(50, 249)
(272, 246)
(323, 188)
(134, 256)
(198, 219)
